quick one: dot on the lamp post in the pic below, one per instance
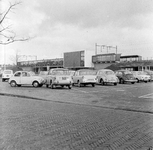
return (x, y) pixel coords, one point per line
(4, 57)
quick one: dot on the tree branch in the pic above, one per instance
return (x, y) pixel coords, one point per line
(7, 35)
(8, 10)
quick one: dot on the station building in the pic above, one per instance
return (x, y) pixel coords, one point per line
(87, 59)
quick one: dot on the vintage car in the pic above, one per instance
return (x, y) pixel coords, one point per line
(26, 78)
(59, 77)
(150, 73)
(72, 72)
(84, 77)
(125, 76)
(6, 75)
(43, 74)
(105, 76)
(141, 76)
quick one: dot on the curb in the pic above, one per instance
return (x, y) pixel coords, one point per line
(89, 105)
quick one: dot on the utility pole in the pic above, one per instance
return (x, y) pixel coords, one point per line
(95, 48)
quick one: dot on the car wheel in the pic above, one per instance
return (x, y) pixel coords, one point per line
(35, 84)
(115, 84)
(93, 85)
(122, 81)
(40, 85)
(101, 81)
(145, 81)
(79, 84)
(69, 87)
(52, 86)
(3, 80)
(137, 80)
(13, 84)
(132, 82)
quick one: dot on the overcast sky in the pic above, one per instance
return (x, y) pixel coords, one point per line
(60, 26)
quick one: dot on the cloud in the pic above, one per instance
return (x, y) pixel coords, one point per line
(69, 25)
(96, 13)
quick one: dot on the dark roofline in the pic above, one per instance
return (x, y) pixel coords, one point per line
(130, 56)
(105, 54)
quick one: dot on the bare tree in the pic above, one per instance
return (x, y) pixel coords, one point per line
(15, 58)
(7, 36)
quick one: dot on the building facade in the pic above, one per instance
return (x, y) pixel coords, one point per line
(41, 65)
(79, 59)
(87, 59)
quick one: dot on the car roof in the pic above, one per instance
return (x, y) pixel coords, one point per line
(58, 69)
(105, 70)
(21, 71)
(8, 70)
(124, 70)
(86, 70)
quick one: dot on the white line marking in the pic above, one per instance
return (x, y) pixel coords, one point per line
(146, 96)
(120, 90)
(80, 90)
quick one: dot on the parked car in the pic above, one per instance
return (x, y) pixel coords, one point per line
(6, 75)
(43, 74)
(150, 73)
(84, 77)
(105, 76)
(59, 77)
(26, 78)
(125, 76)
(141, 76)
(72, 72)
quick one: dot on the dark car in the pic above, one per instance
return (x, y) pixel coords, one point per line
(125, 76)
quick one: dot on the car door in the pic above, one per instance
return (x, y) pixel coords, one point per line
(17, 77)
(75, 77)
(26, 78)
(119, 75)
(101, 75)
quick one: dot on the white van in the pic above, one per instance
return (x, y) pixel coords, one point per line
(6, 75)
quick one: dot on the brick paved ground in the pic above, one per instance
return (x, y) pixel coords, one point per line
(122, 96)
(45, 125)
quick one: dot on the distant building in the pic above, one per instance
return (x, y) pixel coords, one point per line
(78, 59)
(129, 58)
(88, 59)
(41, 65)
(101, 61)
(133, 63)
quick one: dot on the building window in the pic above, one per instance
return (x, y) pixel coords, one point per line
(82, 56)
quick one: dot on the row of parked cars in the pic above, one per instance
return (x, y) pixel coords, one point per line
(64, 77)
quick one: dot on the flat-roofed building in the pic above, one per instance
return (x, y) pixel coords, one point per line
(78, 59)
(130, 58)
(102, 61)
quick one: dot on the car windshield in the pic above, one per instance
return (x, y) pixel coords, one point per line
(129, 75)
(32, 73)
(72, 72)
(87, 72)
(127, 72)
(7, 71)
(109, 72)
(142, 73)
(60, 72)
(43, 73)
